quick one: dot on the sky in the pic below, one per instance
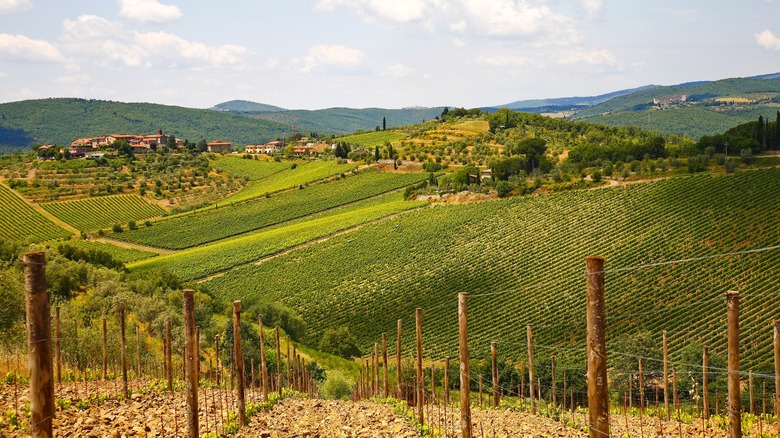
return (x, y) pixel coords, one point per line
(313, 54)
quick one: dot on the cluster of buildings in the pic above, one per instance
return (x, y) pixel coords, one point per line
(302, 148)
(670, 101)
(140, 144)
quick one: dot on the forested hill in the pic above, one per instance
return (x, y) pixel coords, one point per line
(61, 120)
(707, 108)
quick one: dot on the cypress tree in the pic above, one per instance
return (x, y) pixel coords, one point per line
(776, 144)
(384, 123)
(761, 132)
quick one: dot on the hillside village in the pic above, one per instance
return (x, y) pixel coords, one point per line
(138, 144)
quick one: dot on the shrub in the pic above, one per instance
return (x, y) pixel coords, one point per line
(730, 166)
(117, 228)
(746, 155)
(503, 189)
(336, 387)
(339, 342)
(132, 225)
(595, 175)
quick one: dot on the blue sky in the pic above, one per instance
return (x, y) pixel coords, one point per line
(310, 54)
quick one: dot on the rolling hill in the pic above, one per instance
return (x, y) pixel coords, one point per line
(347, 120)
(571, 101)
(245, 105)
(708, 108)
(61, 120)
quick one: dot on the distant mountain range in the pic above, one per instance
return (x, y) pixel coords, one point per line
(708, 107)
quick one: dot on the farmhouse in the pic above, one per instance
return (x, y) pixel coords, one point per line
(254, 149)
(219, 146)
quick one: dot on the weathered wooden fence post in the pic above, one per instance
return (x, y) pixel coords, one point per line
(278, 361)
(666, 375)
(398, 377)
(137, 351)
(239, 360)
(705, 387)
(57, 341)
(39, 354)
(123, 346)
(385, 382)
(494, 363)
(598, 397)
(465, 378)
(447, 381)
(552, 383)
(530, 338)
(263, 364)
(776, 341)
(735, 403)
(191, 343)
(105, 350)
(750, 393)
(219, 362)
(420, 378)
(168, 350)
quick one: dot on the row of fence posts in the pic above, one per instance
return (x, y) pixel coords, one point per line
(40, 359)
(41, 362)
(597, 384)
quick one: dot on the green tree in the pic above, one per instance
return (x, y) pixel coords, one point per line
(384, 124)
(339, 341)
(12, 298)
(376, 153)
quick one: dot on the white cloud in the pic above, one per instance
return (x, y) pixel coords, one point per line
(380, 11)
(109, 43)
(22, 48)
(505, 19)
(593, 8)
(580, 57)
(768, 40)
(148, 11)
(175, 51)
(334, 57)
(3, 74)
(399, 70)
(506, 60)
(11, 6)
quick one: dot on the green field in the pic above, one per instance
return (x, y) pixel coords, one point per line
(522, 261)
(206, 260)
(371, 139)
(249, 169)
(124, 255)
(90, 214)
(304, 173)
(219, 223)
(22, 223)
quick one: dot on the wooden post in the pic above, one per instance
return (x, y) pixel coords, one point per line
(420, 378)
(137, 351)
(263, 364)
(447, 381)
(522, 381)
(123, 346)
(465, 378)
(705, 384)
(776, 340)
(598, 397)
(666, 375)
(398, 362)
(57, 341)
(375, 364)
(530, 337)
(433, 384)
(239, 360)
(168, 353)
(39, 357)
(289, 364)
(191, 361)
(750, 389)
(641, 389)
(675, 395)
(494, 363)
(386, 383)
(105, 350)
(216, 351)
(735, 404)
(552, 389)
(278, 361)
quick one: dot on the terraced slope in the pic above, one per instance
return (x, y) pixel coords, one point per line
(522, 261)
(23, 223)
(90, 214)
(211, 225)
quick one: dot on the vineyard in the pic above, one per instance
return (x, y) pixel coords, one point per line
(300, 174)
(219, 223)
(91, 214)
(123, 255)
(250, 169)
(521, 260)
(22, 223)
(207, 260)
